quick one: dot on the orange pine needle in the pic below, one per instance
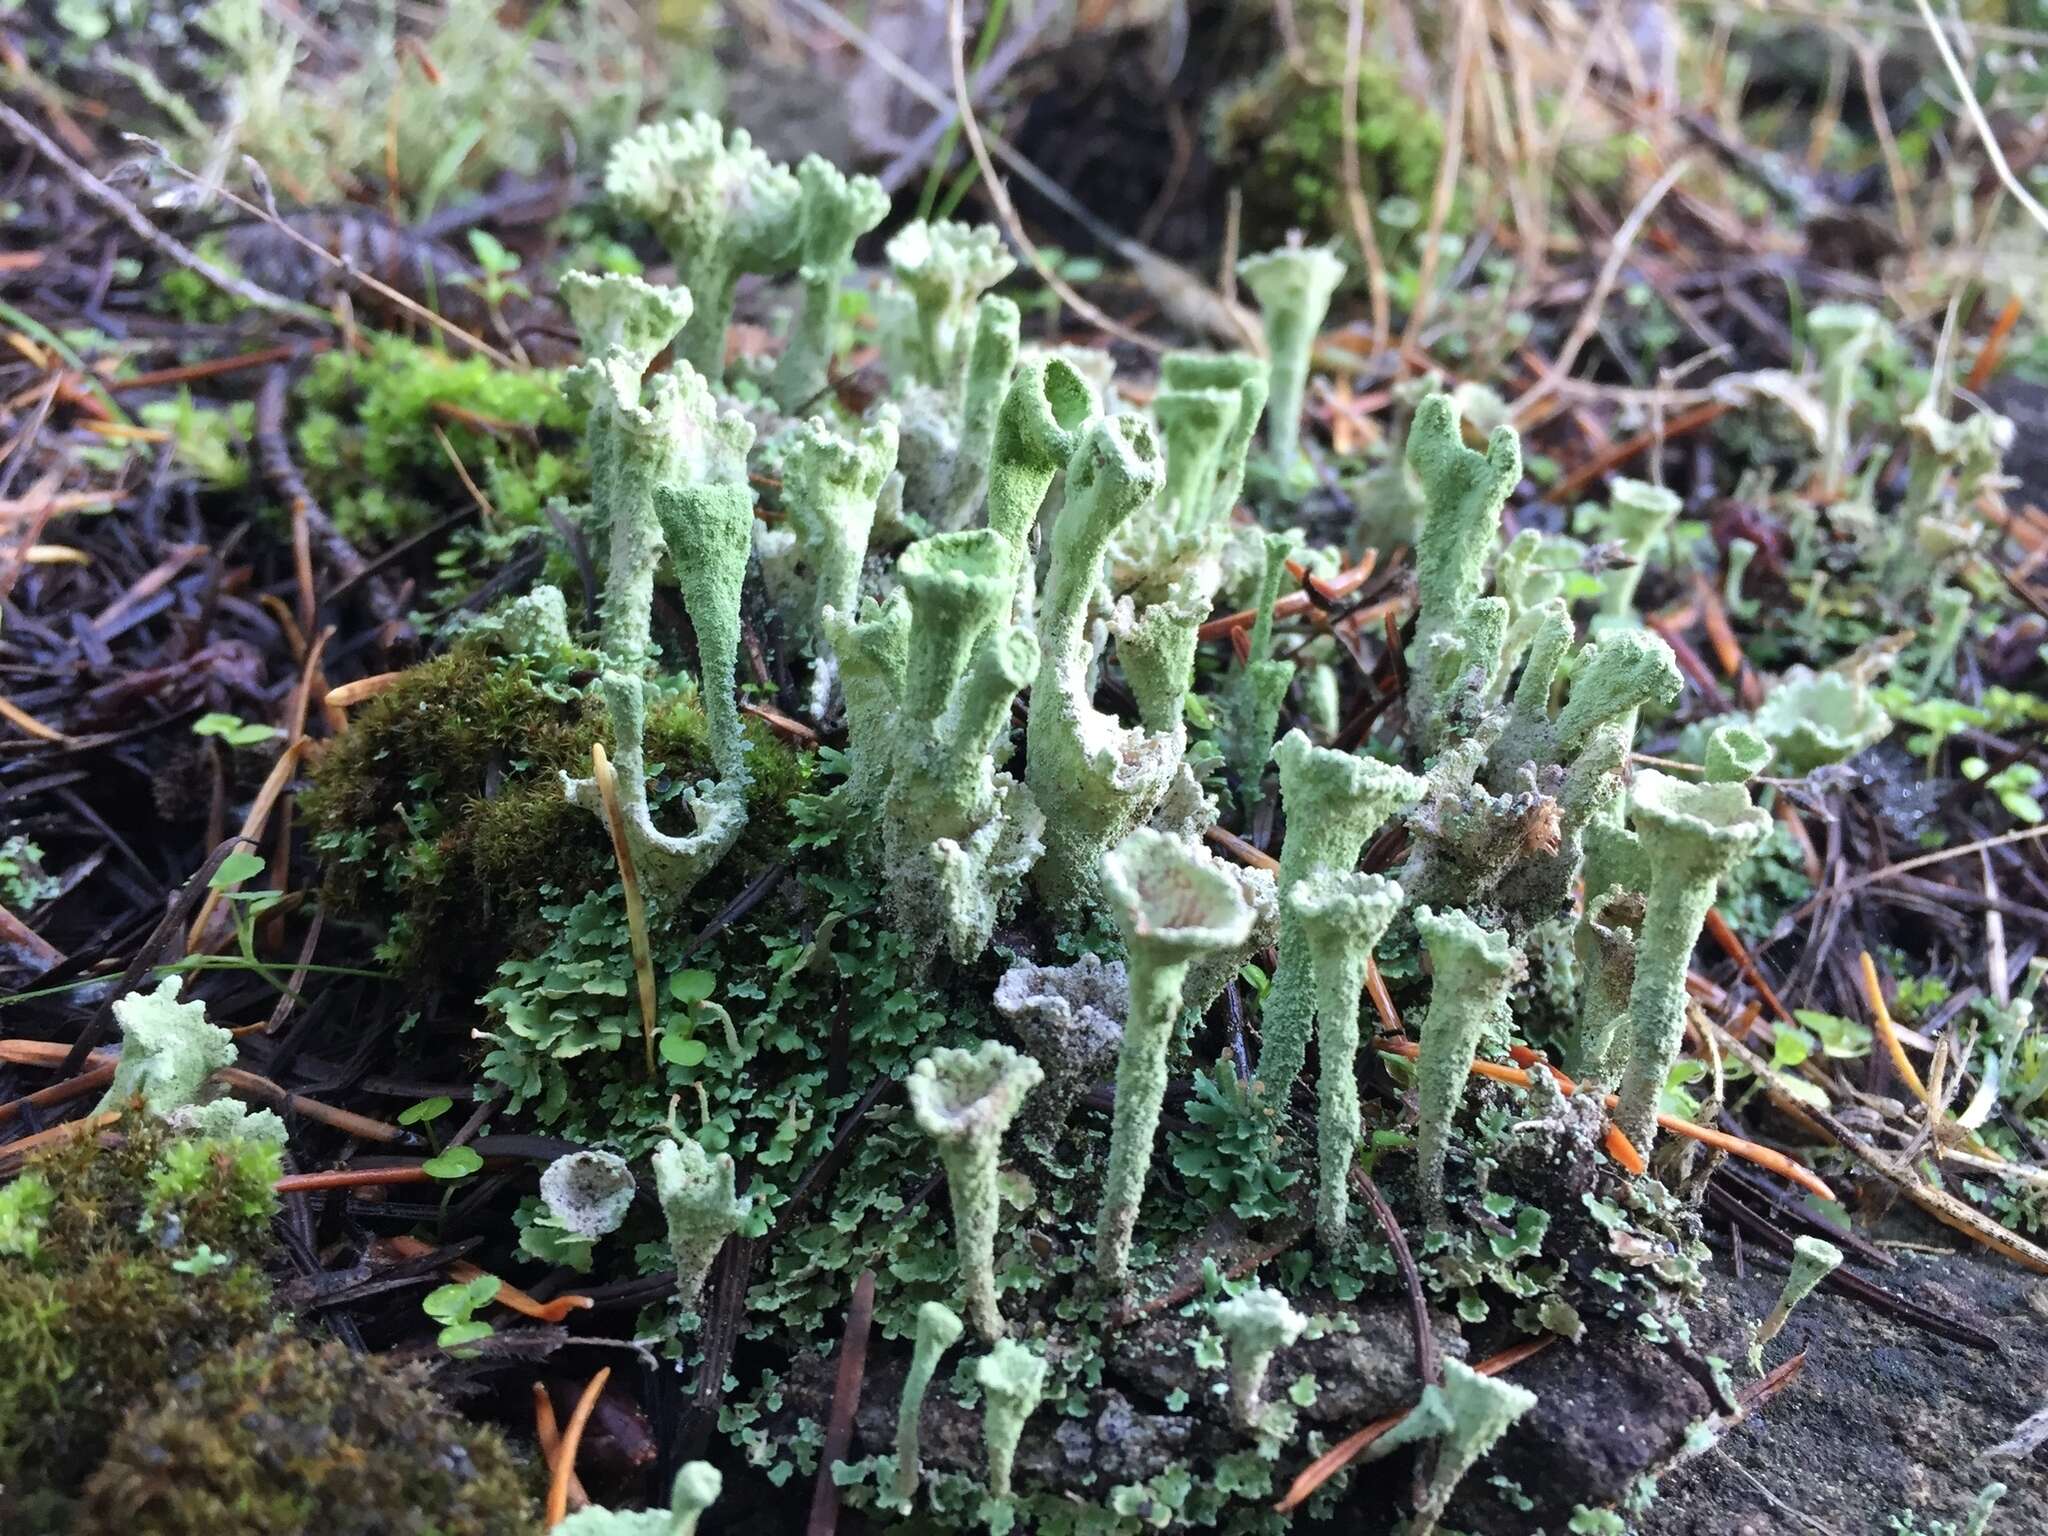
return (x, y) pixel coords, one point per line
(572, 1440)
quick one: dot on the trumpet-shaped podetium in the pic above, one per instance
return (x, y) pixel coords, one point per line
(1638, 515)
(1209, 374)
(833, 211)
(945, 268)
(1813, 1260)
(1342, 915)
(1841, 336)
(1173, 904)
(1070, 1017)
(938, 1330)
(588, 1193)
(1464, 492)
(1335, 802)
(1689, 836)
(1605, 945)
(1467, 1414)
(1736, 753)
(958, 835)
(1105, 777)
(696, 1191)
(1471, 969)
(1012, 1380)
(1256, 1324)
(1293, 285)
(1259, 685)
(1812, 719)
(965, 1101)
(668, 475)
(168, 1050)
(829, 490)
(720, 208)
(696, 1488)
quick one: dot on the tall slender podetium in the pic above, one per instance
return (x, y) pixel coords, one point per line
(1173, 904)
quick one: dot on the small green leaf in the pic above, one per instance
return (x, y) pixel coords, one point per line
(235, 868)
(682, 1050)
(455, 1163)
(1791, 1048)
(427, 1111)
(233, 729)
(691, 986)
(457, 1334)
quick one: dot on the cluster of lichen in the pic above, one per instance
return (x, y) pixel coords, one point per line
(901, 550)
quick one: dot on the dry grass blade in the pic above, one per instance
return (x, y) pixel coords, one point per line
(1354, 181)
(636, 906)
(252, 832)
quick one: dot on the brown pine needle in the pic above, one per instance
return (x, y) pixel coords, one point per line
(549, 1436)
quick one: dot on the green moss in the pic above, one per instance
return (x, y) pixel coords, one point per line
(1285, 135)
(367, 445)
(439, 812)
(142, 1259)
(284, 1435)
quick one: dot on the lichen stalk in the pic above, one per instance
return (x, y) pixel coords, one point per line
(1172, 903)
(1470, 971)
(965, 1101)
(1335, 802)
(1342, 915)
(1256, 1324)
(1691, 835)
(938, 1330)
(1294, 286)
(1012, 1380)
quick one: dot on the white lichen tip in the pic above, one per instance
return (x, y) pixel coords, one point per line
(1708, 826)
(965, 1101)
(697, 1194)
(1254, 1324)
(1172, 898)
(589, 1192)
(168, 1050)
(962, 1096)
(1012, 1379)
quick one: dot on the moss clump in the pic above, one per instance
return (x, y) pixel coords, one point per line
(368, 447)
(1284, 134)
(285, 1435)
(439, 812)
(124, 1263)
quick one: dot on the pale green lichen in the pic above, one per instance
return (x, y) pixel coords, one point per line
(1335, 802)
(958, 835)
(1070, 1018)
(1464, 492)
(938, 1330)
(1342, 915)
(965, 1101)
(668, 475)
(1841, 336)
(1173, 904)
(1012, 1379)
(945, 268)
(1812, 719)
(1258, 686)
(695, 1189)
(834, 210)
(168, 1050)
(696, 1488)
(1736, 754)
(1813, 1260)
(1293, 285)
(1471, 969)
(1104, 776)
(1638, 515)
(588, 1193)
(719, 206)
(1689, 836)
(1468, 1412)
(1256, 1324)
